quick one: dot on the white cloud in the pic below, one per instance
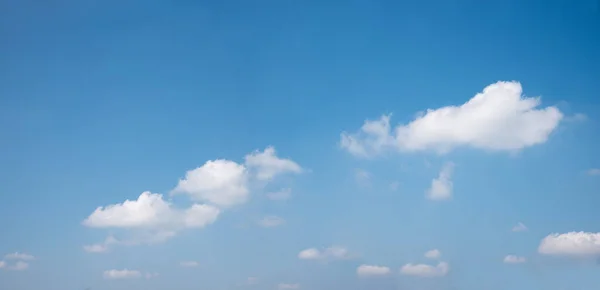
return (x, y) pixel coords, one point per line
(268, 165)
(155, 219)
(121, 274)
(594, 172)
(571, 244)
(19, 266)
(498, 119)
(2, 264)
(441, 187)
(19, 256)
(284, 286)
(151, 211)
(220, 182)
(282, 194)
(433, 254)
(372, 270)
(150, 275)
(101, 247)
(512, 259)
(426, 271)
(333, 252)
(188, 264)
(520, 227)
(271, 221)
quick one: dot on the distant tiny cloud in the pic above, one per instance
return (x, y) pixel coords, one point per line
(512, 259)
(593, 172)
(574, 244)
(331, 253)
(19, 256)
(282, 194)
(188, 264)
(424, 270)
(372, 270)
(284, 286)
(2, 264)
(520, 227)
(362, 177)
(150, 275)
(442, 186)
(433, 254)
(121, 274)
(271, 221)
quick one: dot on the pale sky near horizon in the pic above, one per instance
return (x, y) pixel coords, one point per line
(299, 144)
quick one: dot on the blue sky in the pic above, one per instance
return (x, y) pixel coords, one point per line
(298, 144)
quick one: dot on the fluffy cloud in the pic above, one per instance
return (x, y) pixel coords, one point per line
(282, 194)
(426, 271)
(512, 259)
(433, 254)
(284, 286)
(268, 165)
(499, 118)
(188, 264)
(220, 182)
(372, 270)
(329, 253)
(121, 274)
(19, 256)
(571, 244)
(150, 210)
(441, 187)
(271, 221)
(156, 219)
(520, 227)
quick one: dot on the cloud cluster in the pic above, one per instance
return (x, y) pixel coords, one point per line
(215, 186)
(16, 261)
(499, 118)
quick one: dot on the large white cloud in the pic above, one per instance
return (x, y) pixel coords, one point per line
(121, 274)
(268, 165)
(499, 118)
(221, 182)
(334, 252)
(442, 186)
(571, 244)
(424, 270)
(372, 270)
(156, 219)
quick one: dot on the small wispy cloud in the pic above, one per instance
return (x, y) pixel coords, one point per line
(520, 227)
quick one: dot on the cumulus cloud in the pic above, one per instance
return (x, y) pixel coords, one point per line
(267, 165)
(372, 270)
(500, 118)
(333, 252)
(157, 219)
(441, 187)
(571, 244)
(271, 221)
(19, 256)
(220, 182)
(520, 227)
(150, 210)
(283, 194)
(188, 264)
(512, 259)
(121, 274)
(424, 270)
(284, 286)
(433, 254)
